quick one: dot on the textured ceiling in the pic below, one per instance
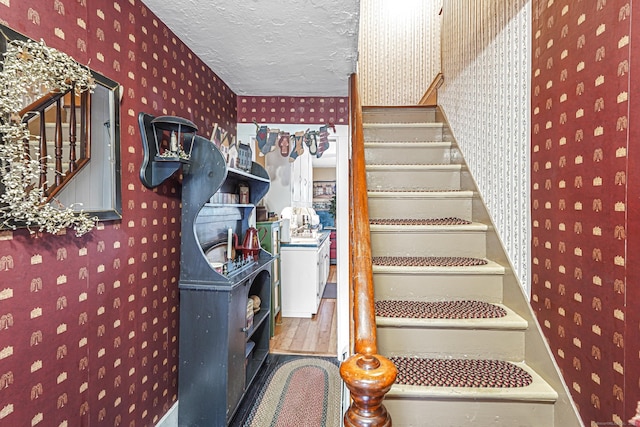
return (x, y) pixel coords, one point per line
(260, 47)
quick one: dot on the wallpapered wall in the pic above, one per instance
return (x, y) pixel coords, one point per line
(485, 95)
(293, 109)
(632, 291)
(88, 330)
(584, 199)
(388, 30)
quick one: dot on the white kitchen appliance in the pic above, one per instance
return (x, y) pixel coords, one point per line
(300, 220)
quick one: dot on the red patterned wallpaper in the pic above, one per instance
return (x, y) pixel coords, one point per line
(88, 326)
(632, 335)
(291, 109)
(582, 177)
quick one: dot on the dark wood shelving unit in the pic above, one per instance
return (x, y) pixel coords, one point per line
(221, 348)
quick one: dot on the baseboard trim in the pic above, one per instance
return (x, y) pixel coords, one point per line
(170, 419)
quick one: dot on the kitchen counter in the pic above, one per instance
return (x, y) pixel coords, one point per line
(308, 241)
(305, 269)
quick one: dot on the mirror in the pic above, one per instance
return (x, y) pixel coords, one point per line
(76, 139)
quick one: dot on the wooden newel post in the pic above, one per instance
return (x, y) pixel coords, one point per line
(368, 378)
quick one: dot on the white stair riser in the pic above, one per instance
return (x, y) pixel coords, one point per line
(399, 115)
(51, 161)
(51, 131)
(449, 243)
(438, 287)
(51, 146)
(468, 412)
(403, 154)
(455, 343)
(406, 133)
(411, 179)
(415, 208)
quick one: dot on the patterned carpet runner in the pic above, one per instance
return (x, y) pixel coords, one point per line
(460, 373)
(433, 221)
(439, 309)
(411, 190)
(399, 142)
(408, 164)
(394, 261)
(300, 393)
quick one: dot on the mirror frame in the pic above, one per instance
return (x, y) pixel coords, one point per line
(114, 211)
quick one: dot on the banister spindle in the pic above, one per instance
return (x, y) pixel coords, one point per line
(84, 141)
(43, 151)
(58, 144)
(72, 131)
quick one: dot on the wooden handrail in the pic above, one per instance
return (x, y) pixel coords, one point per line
(368, 375)
(430, 97)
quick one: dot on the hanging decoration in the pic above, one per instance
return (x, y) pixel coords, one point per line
(30, 68)
(298, 147)
(283, 143)
(292, 146)
(324, 138)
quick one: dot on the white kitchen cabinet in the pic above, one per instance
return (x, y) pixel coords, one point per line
(305, 269)
(291, 183)
(301, 181)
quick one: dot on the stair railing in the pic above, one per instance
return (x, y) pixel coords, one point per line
(430, 97)
(74, 145)
(368, 375)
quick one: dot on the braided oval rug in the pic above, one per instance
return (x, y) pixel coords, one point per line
(299, 393)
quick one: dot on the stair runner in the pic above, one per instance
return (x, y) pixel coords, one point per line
(412, 190)
(459, 373)
(416, 221)
(439, 309)
(429, 261)
(451, 372)
(445, 372)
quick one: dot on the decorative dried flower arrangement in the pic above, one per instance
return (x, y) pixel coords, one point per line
(31, 67)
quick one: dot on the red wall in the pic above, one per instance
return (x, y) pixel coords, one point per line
(584, 195)
(632, 325)
(97, 344)
(293, 109)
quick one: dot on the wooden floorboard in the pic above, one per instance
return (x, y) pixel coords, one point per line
(313, 336)
(328, 307)
(333, 274)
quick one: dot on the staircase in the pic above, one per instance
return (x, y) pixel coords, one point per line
(450, 313)
(59, 160)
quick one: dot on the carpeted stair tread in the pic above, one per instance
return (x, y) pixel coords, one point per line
(400, 165)
(439, 309)
(407, 142)
(426, 221)
(413, 190)
(431, 261)
(483, 373)
(403, 124)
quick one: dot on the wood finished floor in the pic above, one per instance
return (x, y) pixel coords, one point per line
(315, 336)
